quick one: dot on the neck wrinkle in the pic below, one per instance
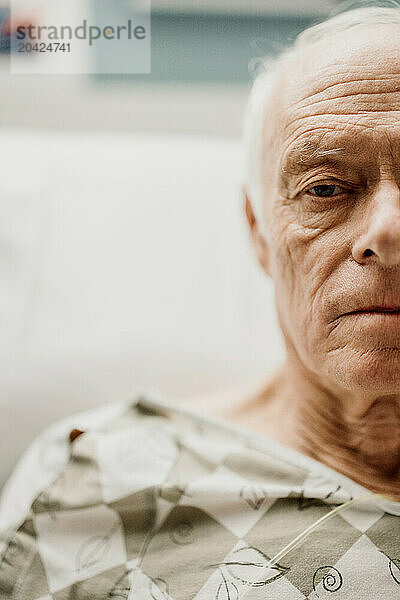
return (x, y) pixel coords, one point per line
(365, 448)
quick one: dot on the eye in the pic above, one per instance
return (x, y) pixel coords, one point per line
(325, 190)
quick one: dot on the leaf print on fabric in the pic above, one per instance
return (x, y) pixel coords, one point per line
(227, 590)
(317, 492)
(158, 589)
(330, 577)
(95, 549)
(334, 492)
(306, 501)
(147, 588)
(254, 494)
(251, 567)
(394, 568)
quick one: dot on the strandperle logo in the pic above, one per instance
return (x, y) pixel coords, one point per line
(81, 32)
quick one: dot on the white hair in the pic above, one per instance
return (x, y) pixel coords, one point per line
(260, 94)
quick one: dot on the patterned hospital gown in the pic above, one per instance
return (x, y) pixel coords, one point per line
(151, 500)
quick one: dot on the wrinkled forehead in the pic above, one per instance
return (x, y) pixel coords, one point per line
(318, 66)
(346, 84)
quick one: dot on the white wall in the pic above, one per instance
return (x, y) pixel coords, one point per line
(80, 103)
(125, 261)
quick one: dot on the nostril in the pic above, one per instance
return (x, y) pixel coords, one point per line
(368, 252)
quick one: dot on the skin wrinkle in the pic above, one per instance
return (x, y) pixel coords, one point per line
(310, 103)
(319, 91)
(361, 126)
(297, 163)
(390, 149)
(296, 152)
(338, 392)
(315, 177)
(379, 77)
(307, 104)
(360, 98)
(307, 132)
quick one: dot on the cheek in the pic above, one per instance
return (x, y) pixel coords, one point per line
(303, 241)
(304, 260)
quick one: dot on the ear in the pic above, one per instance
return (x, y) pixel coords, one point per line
(259, 242)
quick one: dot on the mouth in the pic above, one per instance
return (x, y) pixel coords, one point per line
(375, 310)
(378, 313)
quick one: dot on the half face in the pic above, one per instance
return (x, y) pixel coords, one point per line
(333, 209)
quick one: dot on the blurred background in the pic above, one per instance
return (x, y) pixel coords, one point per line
(202, 58)
(125, 260)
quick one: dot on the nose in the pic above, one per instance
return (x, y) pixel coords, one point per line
(380, 241)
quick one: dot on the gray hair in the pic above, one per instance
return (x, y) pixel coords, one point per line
(263, 86)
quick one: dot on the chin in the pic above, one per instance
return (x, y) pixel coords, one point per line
(373, 371)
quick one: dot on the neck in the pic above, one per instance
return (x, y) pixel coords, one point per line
(357, 436)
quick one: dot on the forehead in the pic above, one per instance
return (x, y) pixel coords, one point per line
(335, 96)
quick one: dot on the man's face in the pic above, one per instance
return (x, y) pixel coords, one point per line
(333, 219)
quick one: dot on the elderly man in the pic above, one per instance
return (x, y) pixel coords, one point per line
(295, 492)
(323, 204)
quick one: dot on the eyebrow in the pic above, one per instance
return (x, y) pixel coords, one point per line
(308, 154)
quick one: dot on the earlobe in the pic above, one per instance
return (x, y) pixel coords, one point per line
(259, 242)
(262, 249)
(248, 209)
